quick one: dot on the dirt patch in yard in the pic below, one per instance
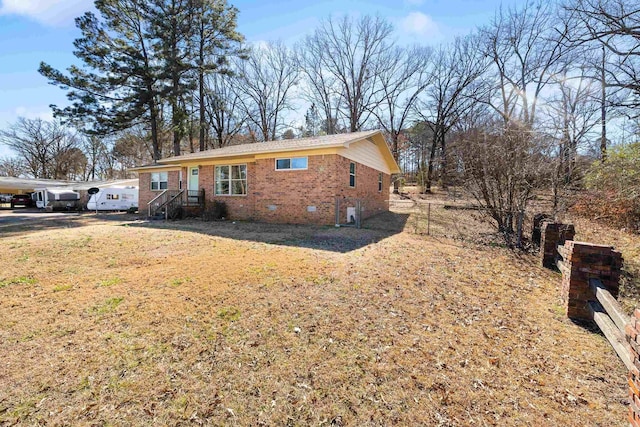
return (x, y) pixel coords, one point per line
(109, 322)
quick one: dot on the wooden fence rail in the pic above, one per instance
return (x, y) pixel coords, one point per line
(590, 286)
(611, 320)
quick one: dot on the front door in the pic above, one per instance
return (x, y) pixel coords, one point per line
(193, 185)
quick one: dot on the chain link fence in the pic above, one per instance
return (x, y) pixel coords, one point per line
(460, 219)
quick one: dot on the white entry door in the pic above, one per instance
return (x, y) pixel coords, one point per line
(193, 185)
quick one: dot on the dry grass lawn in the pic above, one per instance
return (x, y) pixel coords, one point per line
(105, 322)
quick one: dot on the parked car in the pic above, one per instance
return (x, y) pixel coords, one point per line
(22, 200)
(5, 198)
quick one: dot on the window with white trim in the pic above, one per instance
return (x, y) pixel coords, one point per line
(231, 180)
(292, 163)
(380, 182)
(352, 175)
(159, 181)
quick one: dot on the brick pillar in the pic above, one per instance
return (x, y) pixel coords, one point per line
(582, 262)
(552, 235)
(538, 219)
(632, 333)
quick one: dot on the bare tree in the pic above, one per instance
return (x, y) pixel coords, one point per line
(453, 89)
(265, 83)
(70, 164)
(525, 46)
(320, 86)
(352, 54)
(12, 166)
(502, 167)
(414, 154)
(224, 108)
(572, 117)
(42, 145)
(97, 150)
(615, 25)
(402, 81)
(128, 150)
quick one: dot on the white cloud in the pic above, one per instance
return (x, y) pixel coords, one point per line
(56, 13)
(34, 113)
(419, 24)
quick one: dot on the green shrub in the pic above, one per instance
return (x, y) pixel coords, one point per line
(613, 189)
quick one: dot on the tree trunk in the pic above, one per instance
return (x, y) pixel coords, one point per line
(432, 155)
(201, 89)
(443, 163)
(396, 157)
(202, 122)
(155, 144)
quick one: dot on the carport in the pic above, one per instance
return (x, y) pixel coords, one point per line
(12, 185)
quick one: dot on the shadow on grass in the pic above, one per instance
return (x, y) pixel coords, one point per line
(342, 239)
(25, 221)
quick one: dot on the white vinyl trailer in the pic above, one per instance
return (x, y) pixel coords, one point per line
(56, 198)
(114, 199)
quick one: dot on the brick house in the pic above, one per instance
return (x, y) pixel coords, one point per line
(317, 180)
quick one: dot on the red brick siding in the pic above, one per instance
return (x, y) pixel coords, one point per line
(239, 207)
(286, 196)
(366, 189)
(293, 192)
(145, 194)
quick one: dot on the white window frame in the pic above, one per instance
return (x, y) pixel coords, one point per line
(230, 180)
(156, 178)
(291, 168)
(380, 182)
(352, 174)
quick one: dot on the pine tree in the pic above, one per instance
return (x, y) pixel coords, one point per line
(215, 38)
(118, 85)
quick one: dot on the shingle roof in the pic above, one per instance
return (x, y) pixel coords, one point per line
(324, 141)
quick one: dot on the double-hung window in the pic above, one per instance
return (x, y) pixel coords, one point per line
(231, 180)
(380, 182)
(352, 175)
(159, 180)
(292, 163)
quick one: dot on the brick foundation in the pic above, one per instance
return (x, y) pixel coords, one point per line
(583, 261)
(633, 341)
(552, 235)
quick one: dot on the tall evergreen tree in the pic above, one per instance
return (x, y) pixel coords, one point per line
(118, 85)
(138, 56)
(171, 29)
(215, 38)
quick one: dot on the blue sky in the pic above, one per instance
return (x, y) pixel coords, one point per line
(43, 30)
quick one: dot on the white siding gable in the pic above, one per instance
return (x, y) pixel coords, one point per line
(366, 153)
